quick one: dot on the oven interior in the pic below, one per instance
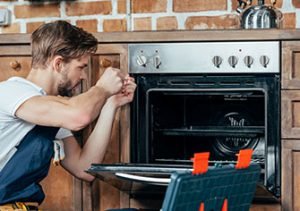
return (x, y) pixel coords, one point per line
(183, 122)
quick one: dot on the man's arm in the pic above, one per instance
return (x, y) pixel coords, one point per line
(78, 160)
(72, 113)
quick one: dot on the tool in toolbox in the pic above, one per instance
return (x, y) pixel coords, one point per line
(222, 188)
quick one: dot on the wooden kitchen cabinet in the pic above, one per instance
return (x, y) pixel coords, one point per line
(290, 174)
(290, 116)
(290, 94)
(14, 61)
(99, 195)
(290, 65)
(290, 125)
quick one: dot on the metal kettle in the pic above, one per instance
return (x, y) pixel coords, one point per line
(259, 16)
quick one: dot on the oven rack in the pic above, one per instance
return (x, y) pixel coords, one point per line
(220, 131)
(259, 160)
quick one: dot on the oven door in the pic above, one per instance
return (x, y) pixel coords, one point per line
(146, 180)
(137, 178)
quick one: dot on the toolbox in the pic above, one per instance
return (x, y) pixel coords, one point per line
(212, 190)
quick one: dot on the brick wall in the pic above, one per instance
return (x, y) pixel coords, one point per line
(136, 15)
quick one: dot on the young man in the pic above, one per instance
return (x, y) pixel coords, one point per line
(33, 109)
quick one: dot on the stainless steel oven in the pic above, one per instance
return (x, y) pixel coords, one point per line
(216, 97)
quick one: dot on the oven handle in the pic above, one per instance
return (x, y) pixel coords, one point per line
(143, 179)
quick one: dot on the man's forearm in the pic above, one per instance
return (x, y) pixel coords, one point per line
(96, 145)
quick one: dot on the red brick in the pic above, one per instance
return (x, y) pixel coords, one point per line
(122, 7)
(149, 6)
(30, 27)
(213, 22)
(88, 25)
(88, 8)
(198, 5)
(114, 25)
(37, 10)
(289, 21)
(166, 23)
(142, 24)
(296, 3)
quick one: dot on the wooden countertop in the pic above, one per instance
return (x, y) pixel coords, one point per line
(175, 36)
(201, 35)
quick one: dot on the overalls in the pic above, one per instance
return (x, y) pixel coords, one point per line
(19, 179)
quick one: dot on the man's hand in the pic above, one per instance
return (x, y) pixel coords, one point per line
(111, 81)
(125, 95)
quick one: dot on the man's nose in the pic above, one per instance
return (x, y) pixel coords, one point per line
(84, 75)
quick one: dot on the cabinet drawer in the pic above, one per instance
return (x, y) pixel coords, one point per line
(290, 114)
(14, 66)
(291, 65)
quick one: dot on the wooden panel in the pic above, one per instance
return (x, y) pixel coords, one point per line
(104, 196)
(15, 50)
(290, 114)
(200, 35)
(291, 65)
(14, 66)
(58, 190)
(296, 178)
(109, 196)
(290, 174)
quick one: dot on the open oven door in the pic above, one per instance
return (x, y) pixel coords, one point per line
(153, 179)
(136, 178)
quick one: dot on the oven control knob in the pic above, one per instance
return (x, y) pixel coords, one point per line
(157, 61)
(217, 61)
(233, 60)
(248, 60)
(264, 60)
(141, 60)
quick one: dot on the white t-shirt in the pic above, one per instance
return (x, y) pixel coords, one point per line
(13, 93)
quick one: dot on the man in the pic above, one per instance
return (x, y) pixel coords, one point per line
(33, 109)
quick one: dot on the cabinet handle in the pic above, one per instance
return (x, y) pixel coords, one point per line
(105, 63)
(15, 65)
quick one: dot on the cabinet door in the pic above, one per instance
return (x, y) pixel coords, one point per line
(291, 65)
(290, 114)
(290, 174)
(99, 195)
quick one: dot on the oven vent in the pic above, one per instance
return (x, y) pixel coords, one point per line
(180, 83)
(192, 83)
(205, 83)
(230, 83)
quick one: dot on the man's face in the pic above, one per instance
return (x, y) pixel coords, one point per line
(71, 75)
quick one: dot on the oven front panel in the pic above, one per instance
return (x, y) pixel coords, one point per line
(174, 116)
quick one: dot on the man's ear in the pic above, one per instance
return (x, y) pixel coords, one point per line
(57, 63)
